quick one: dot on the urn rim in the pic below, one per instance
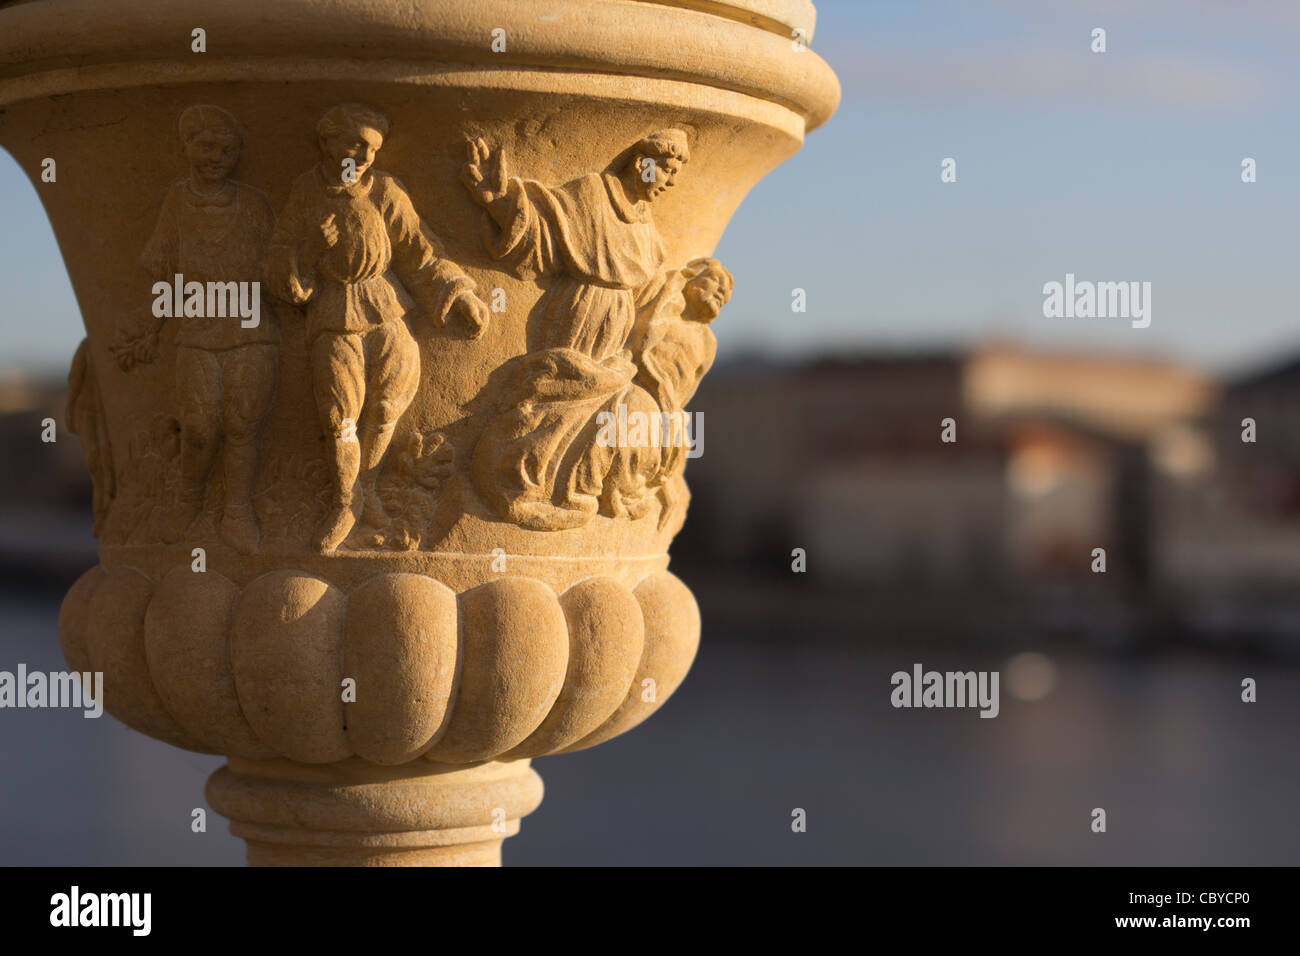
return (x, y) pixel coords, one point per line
(743, 46)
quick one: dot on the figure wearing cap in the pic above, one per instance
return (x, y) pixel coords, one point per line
(351, 248)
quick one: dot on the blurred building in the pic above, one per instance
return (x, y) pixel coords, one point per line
(45, 490)
(996, 532)
(1231, 548)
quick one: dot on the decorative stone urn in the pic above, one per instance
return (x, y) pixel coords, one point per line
(394, 313)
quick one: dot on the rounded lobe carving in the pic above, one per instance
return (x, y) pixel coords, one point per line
(515, 653)
(506, 670)
(287, 653)
(74, 618)
(115, 645)
(187, 643)
(401, 649)
(606, 635)
(672, 635)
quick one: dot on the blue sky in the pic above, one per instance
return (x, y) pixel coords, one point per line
(1115, 166)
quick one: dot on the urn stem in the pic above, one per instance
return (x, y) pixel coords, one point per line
(356, 813)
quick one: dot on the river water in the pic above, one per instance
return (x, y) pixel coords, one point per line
(1186, 772)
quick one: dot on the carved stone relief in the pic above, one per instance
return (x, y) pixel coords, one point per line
(360, 278)
(212, 229)
(351, 248)
(539, 463)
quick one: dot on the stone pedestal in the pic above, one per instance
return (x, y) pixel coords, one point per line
(355, 813)
(394, 315)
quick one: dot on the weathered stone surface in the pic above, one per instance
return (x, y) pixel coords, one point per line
(286, 649)
(187, 629)
(516, 648)
(74, 618)
(606, 634)
(402, 648)
(672, 635)
(355, 813)
(115, 645)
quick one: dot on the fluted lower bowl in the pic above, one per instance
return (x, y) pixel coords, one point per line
(398, 667)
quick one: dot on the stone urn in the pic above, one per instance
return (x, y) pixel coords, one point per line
(394, 314)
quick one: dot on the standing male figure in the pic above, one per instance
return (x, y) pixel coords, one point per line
(352, 249)
(213, 229)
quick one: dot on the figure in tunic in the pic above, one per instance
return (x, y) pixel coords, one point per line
(352, 249)
(212, 229)
(537, 463)
(675, 348)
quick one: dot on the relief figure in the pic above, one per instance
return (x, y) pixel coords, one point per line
(675, 348)
(350, 247)
(537, 463)
(213, 230)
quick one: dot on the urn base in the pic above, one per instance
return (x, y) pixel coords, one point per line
(355, 813)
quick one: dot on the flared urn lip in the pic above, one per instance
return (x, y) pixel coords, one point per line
(753, 47)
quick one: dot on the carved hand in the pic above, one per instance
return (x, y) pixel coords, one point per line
(484, 174)
(472, 311)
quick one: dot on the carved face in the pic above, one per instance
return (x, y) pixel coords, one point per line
(665, 169)
(360, 146)
(212, 154)
(705, 295)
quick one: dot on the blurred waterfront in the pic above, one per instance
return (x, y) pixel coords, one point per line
(964, 556)
(1187, 773)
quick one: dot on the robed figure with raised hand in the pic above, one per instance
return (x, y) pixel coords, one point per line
(538, 463)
